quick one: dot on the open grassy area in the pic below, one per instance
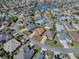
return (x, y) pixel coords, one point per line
(74, 44)
(38, 38)
(50, 54)
(37, 47)
(20, 26)
(38, 51)
(55, 43)
(27, 42)
(26, 32)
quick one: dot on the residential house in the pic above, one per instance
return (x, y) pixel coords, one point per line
(60, 27)
(29, 52)
(26, 52)
(11, 45)
(7, 22)
(30, 26)
(38, 31)
(65, 37)
(40, 21)
(69, 26)
(5, 36)
(49, 34)
(49, 25)
(74, 36)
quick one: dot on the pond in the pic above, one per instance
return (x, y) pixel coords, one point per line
(45, 6)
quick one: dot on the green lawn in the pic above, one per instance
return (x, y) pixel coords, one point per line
(50, 54)
(38, 38)
(1, 45)
(20, 26)
(19, 38)
(38, 51)
(26, 32)
(55, 43)
(27, 42)
(37, 47)
(74, 44)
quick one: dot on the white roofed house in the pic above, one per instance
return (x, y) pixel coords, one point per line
(49, 25)
(26, 52)
(60, 27)
(5, 36)
(11, 45)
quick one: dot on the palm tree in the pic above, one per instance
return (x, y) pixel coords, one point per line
(72, 44)
(70, 23)
(55, 42)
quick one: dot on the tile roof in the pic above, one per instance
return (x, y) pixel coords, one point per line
(74, 35)
(38, 31)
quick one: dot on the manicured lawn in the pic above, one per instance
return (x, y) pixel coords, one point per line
(38, 38)
(19, 38)
(38, 51)
(40, 26)
(1, 46)
(50, 54)
(20, 26)
(27, 42)
(37, 47)
(55, 43)
(26, 32)
(74, 44)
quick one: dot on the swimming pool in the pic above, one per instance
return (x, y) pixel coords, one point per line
(45, 6)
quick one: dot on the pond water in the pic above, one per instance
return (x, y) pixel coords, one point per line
(45, 6)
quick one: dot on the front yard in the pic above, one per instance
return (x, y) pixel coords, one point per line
(50, 54)
(38, 51)
(38, 38)
(55, 43)
(26, 32)
(74, 44)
